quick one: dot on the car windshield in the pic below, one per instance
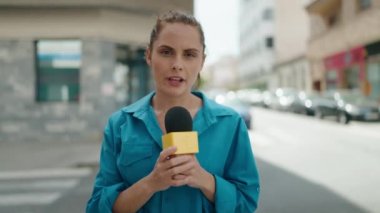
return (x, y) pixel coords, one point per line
(307, 95)
(285, 92)
(356, 99)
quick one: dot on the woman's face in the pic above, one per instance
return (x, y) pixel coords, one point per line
(176, 58)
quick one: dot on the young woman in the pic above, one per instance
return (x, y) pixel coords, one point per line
(137, 175)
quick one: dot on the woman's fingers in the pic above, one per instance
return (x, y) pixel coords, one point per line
(178, 160)
(180, 170)
(166, 153)
(179, 177)
(174, 170)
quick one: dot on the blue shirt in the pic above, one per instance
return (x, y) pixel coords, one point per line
(132, 144)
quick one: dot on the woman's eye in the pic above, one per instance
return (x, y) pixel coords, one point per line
(165, 52)
(192, 55)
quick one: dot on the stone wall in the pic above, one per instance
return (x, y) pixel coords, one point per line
(22, 118)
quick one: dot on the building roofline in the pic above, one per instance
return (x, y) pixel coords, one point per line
(136, 11)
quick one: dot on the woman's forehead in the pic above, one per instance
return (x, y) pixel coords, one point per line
(174, 34)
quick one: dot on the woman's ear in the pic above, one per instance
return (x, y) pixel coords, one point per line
(148, 57)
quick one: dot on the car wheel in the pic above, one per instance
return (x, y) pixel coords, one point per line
(343, 118)
(318, 114)
(304, 111)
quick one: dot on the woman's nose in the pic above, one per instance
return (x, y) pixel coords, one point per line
(177, 64)
(176, 67)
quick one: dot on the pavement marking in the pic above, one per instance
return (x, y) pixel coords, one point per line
(40, 184)
(29, 198)
(38, 187)
(45, 173)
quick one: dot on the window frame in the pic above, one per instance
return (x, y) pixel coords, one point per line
(69, 81)
(364, 4)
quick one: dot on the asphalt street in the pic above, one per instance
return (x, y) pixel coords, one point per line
(305, 165)
(312, 165)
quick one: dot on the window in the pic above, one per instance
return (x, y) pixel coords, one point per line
(332, 19)
(268, 14)
(57, 67)
(364, 4)
(331, 79)
(269, 43)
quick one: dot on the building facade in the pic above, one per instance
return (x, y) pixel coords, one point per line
(291, 68)
(294, 73)
(221, 74)
(344, 47)
(66, 65)
(257, 42)
(273, 42)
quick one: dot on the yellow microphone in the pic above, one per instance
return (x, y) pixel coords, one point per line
(179, 131)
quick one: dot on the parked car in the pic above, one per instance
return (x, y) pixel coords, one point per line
(269, 98)
(250, 96)
(354, 106)
(284, 98)
(214, 92)
(347, 105)
(305, 102)
(325, 105)
(230, 99)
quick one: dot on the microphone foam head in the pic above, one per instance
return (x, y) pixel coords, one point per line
(178, 119)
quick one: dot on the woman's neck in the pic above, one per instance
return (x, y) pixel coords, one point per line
(162, 104)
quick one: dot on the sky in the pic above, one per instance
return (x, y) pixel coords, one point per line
(219, 19)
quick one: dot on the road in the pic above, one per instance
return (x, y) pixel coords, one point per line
(311, 165)
(305, 165)
(45, 190)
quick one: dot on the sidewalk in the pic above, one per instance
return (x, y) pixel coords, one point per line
(16, 156)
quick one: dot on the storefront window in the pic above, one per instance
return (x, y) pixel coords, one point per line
(373, 70)
(58, 64)
(364, 4)
(331, 79)
(351, 78)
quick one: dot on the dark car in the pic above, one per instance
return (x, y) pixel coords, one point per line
(354, 106)
(325, 105)
(347, 105)
(305, 103)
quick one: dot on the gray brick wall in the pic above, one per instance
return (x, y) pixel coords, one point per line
(22, 118)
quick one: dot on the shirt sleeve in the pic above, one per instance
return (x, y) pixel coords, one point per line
(238, 189)
(108, 183)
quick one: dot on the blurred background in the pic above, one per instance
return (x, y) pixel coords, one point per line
(303, 74)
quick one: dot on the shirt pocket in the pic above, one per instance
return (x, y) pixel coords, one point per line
(136, 161)
(134, 153)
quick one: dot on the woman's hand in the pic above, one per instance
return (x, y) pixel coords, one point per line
(167, 166)
(178, 170)
(197, 177)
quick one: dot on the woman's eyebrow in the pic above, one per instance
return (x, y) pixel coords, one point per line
(165, 46)
(192, 50)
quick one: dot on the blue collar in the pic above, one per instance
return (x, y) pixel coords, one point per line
(212, 109)
(206, 116)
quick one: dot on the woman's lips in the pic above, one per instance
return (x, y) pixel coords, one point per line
(175, 81)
